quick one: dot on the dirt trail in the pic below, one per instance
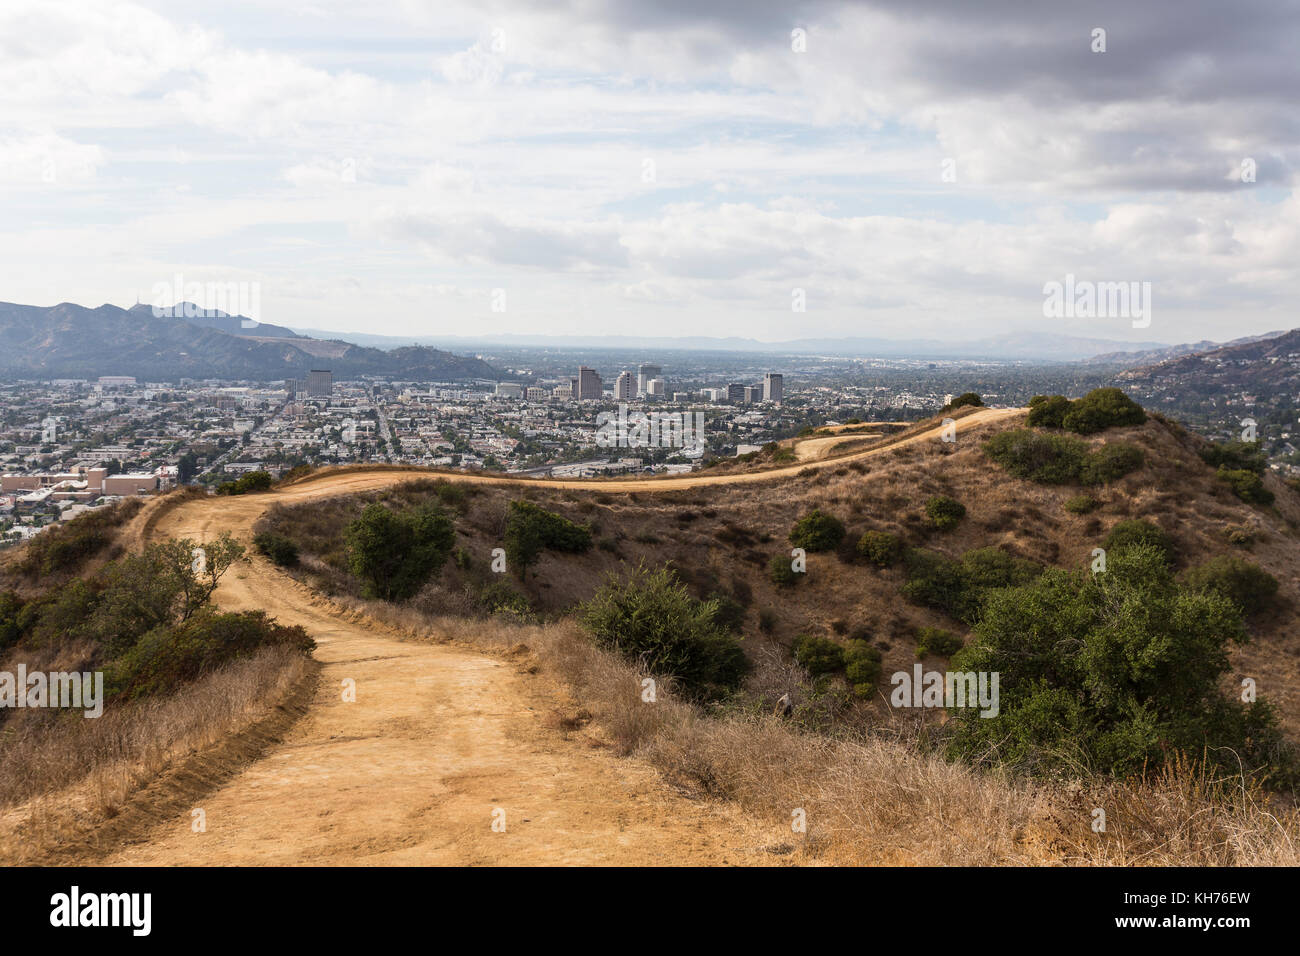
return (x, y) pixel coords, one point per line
(437, 739)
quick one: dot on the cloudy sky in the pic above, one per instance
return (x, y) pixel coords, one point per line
(915, 167)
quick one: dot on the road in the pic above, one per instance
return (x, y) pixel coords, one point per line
(438, 740)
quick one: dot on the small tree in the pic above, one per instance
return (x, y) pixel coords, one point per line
(395, 553)
(817, 531)
(944, 512)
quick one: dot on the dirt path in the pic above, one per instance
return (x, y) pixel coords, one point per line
(437, 740)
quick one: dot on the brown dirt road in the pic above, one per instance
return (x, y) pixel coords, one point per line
(438, 738)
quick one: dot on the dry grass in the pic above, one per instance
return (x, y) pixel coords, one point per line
(63, 775)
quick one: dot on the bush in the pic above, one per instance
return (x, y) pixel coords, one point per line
(817, 531)
(530, 530)
(937, 641)
(881, 548)
(959, 588)
(1246, 485)
(1110, 462)
(862, 667)
(167, 657)
(1235, 456)
(728, 614)
(65, 546)
(1135, 533)
(817, 655)
(1116, 672)
(1081, 504)
(277, 547)
(650, 617)
(1047, 459)
(1048, 412)
(780, 571)
(964, 399)
(1100, 409)
(394, 553)
(1247, 585)
(944, 512)
(1060, 459)
(246, 483)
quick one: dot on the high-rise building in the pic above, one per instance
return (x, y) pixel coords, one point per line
(624, 387)
(590, 387)
(320, 383)
(644, 373)
(753, 394)
(773, 387)
(735, 393)
(656, 388)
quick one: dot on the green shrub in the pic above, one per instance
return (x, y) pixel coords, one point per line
(1044, 458)
(1235, 456)
(169, 656)
(394, 553)
(1112, 673)
(248, 482)
(67, 545)
(12, 619)
(937, 641)
(817, 655)
(1061, 459)
(959, 588)
(1110, 462)
(1135, 532)
(530, 530)
(862, 667)
(817, 531)
(650, 617)
(1100, 409)
(781, 573)
(1246, 485)
(1048, 412)
(1247, 585)
(277, 547)
(1081, 504)
(963, 400)
(498, 597)
(944, 512)
(881, 548)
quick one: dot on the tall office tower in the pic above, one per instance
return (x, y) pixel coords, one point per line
(753, 394)
(735, 393)
(590, 387)
(320, 383)
(643, 375)
(773, 387)
(656, 388)
(624, 387)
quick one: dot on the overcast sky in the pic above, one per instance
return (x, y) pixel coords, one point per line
(665, 168)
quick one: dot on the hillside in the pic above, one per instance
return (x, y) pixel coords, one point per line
(71, 341)
(1155, 356)
(721, 533)
(1264, 365)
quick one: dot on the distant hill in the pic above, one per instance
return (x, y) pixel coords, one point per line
(72, 341)
(221, 321)
(1155, 356)
(1261, 365)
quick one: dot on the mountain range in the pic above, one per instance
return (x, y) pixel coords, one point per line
(72, 341)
